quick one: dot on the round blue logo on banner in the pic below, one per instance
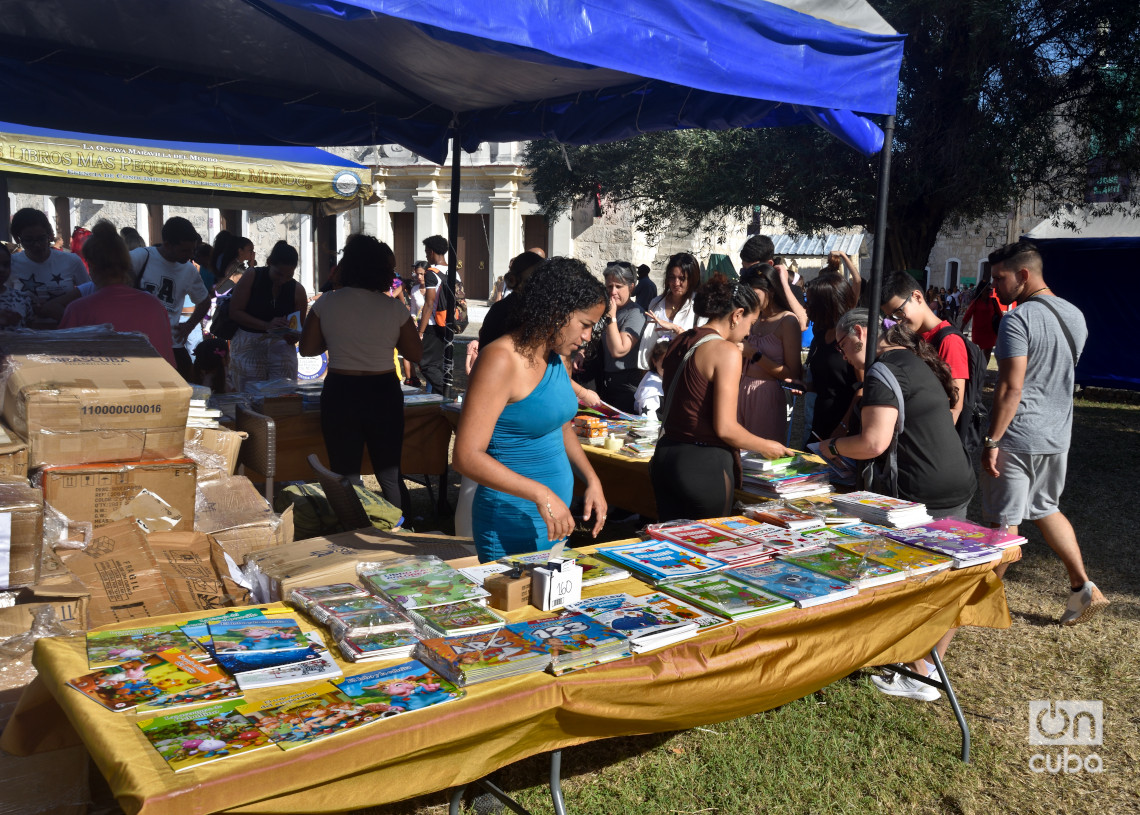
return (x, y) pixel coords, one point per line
(346, 184)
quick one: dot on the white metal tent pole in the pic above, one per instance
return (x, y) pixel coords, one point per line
(452, 262)
(877, 252)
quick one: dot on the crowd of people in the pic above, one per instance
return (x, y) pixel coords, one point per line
(718, 364)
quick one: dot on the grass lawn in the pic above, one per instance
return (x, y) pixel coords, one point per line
(850, 749)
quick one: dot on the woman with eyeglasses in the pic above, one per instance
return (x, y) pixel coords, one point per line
(696, 466)
(621, 337)
(932, 466)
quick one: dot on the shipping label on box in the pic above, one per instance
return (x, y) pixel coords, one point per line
(120, 571)
(78, 397)
(96, 492)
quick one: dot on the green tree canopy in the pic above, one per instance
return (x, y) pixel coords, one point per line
(997, 98)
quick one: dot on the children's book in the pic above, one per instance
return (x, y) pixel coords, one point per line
(267, 634)
(668, 607)
(859, 571)
(296, 719)
(641, 625)
(199, 630)
(699, 536)
(786, 541)
(898, 555)
(478, 574)
(660, 560)
(471, 658)
(738, 525)
(370, 622)
(373, 646)
(420, 582)
(963, 552)
(458, 618)
(399, 689)
(339, 607)
(862, 530)
(728, 596)
(310, 669)
(236, 663)
(106, 648)
(573, 641)
(594, 571)
(151, 679)
(776, 513)
(804, 587)
(200, 736)
(305, 597)
(997, 538)
(825, 508)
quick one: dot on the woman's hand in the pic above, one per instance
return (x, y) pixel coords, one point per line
(589, 398)
(773, 449)
(825, 450)
(559, 521)
(613, 307)
(595, 507)
(796, 386)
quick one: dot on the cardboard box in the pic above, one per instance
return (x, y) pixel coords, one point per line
(97, 492)
(226, 444)
(68, 600)
(333, 559)
(86, 395)
(184, 560)
(13, 454)
(21, 534)
(121, 573)
(234, 513)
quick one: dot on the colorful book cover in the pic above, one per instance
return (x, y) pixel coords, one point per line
(105, 648)
(399, 689)
(660, 559)
(963, 552)
(372, 645)
(573, 640)
(863, 530)
(878, 501)
(737, 524)
(624, 614)
(195, 737)
(663, 605)
(785, 516)
(421, 582)
(296, 719)
(350, 605)
(146, 680)
(594, 571)
(786, 540)
(898, 555)
(238, 662)
(804, 587)
(825, 508)
(721, 593)
(308, 669)
(698, 536)
(306, 597)
(455, 657)
(455, 618)
(199, 630)
(841, 564)
(998, 538)
(266, 634)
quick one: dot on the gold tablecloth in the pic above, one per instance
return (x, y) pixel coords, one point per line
(722, 674)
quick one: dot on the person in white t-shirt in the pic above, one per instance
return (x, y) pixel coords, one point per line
(166, 272)
(47, 275)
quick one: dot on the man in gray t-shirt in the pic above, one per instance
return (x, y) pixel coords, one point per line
(1027, 449)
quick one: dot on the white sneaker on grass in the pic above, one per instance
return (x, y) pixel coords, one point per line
(1083, 604)
(900, 685)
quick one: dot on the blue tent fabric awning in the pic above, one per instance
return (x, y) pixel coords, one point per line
(325, 72)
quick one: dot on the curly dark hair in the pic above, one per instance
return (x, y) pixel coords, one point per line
(557, 288)
(367, 263)
(721, 296)
(899, 334)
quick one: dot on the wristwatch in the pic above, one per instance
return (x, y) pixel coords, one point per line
(833, 449)
(989, 443)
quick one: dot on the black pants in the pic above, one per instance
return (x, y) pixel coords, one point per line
(431, 364)
(620, 387)
(365, 410)
(184, 363)
(691, 481)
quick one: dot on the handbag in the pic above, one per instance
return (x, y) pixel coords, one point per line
(222, 325)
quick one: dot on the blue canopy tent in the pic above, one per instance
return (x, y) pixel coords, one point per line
(327, 72)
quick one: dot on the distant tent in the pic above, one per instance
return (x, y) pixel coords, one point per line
(722, 264)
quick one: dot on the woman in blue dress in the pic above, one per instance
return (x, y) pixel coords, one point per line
(515, 439)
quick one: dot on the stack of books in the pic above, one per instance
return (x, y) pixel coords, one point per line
(644, 627)
(803, 587)
(594, 571)
(472, 658)
(573, 641)
(728, 540)
(962, 553)
(800, 478)
(455, 619)
(657, 561)
(726, 596)
(201, 415)
(779, 513)
(306, 716)
(416, 582)
(882, 509)
(964, 530)
(824, 508)
(399, 689)
(897, 555)
(364, 627)
(858, 570)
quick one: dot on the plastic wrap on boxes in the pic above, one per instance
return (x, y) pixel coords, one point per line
(44, 624)
(215, 450)
(21, 534)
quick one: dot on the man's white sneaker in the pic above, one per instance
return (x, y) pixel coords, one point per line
(1083, 604)
(899, 685)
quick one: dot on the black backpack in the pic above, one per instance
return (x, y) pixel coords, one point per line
(973, 422)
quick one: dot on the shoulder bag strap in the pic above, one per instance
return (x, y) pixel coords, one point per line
(885, 375)
(681, 370)
(146, 260)
(1061, 322)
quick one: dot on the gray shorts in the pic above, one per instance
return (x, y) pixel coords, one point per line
(1030, 487)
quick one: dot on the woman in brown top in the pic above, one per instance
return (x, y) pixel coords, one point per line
(697, 462)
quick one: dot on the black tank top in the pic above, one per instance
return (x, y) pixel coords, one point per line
(262, 304)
